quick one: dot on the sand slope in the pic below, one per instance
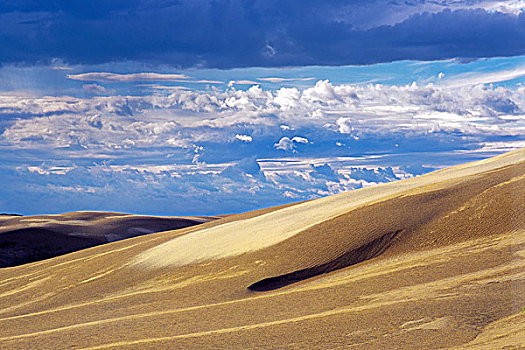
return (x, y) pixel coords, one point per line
(432, 262)
(25, 239)
(266, 230)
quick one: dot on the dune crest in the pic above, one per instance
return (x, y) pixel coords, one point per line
(25, 239)
(239, 237)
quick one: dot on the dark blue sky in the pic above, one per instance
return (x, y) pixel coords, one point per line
(247, 33)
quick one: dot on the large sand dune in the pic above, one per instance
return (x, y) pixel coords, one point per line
(432, 262)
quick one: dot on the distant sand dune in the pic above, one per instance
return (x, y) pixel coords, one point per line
(25, 239)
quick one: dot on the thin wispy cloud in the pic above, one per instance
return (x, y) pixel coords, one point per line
(204, 81)
(64, 68)
(242, 82)
(130, 77)
(164, 87)
(475, 78)
(281, 80)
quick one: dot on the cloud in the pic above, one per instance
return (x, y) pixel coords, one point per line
(244, 138)
(63, 68)
(204, 81)
(373, 175)
(299, 139)
(475, 78)
(94, 89)
(284, 144)
(324, 171)
(165, 87)
(260, 33)
(350, 114)
(281, 80)
(240, 186)
(242, 82)
(508, 6)
(131, 77)
(287, 144)
(246, 170)
(234, 150)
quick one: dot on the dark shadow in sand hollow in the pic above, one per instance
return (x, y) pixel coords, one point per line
(355, 256)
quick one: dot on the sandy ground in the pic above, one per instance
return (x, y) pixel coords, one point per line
(432, 266)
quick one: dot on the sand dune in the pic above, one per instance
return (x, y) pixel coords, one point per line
(25, 239)
(266, 230)
(432, 262)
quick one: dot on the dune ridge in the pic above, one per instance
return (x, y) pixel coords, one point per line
(26, 239)
(262, 231)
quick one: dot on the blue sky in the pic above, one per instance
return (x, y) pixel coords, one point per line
(208, 107)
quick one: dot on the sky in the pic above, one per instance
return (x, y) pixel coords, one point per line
(179, 107)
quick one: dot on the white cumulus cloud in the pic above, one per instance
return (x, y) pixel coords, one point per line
(244, 138)
(287, 144)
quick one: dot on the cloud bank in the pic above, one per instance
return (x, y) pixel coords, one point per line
(284, 119)
(216, 151)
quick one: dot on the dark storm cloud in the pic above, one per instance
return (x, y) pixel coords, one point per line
(241, 33)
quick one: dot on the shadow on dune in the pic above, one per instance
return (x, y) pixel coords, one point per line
(27, 245)
(365, 252)
(33, 238)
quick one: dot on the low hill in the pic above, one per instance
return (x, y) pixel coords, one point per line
(430, 262)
